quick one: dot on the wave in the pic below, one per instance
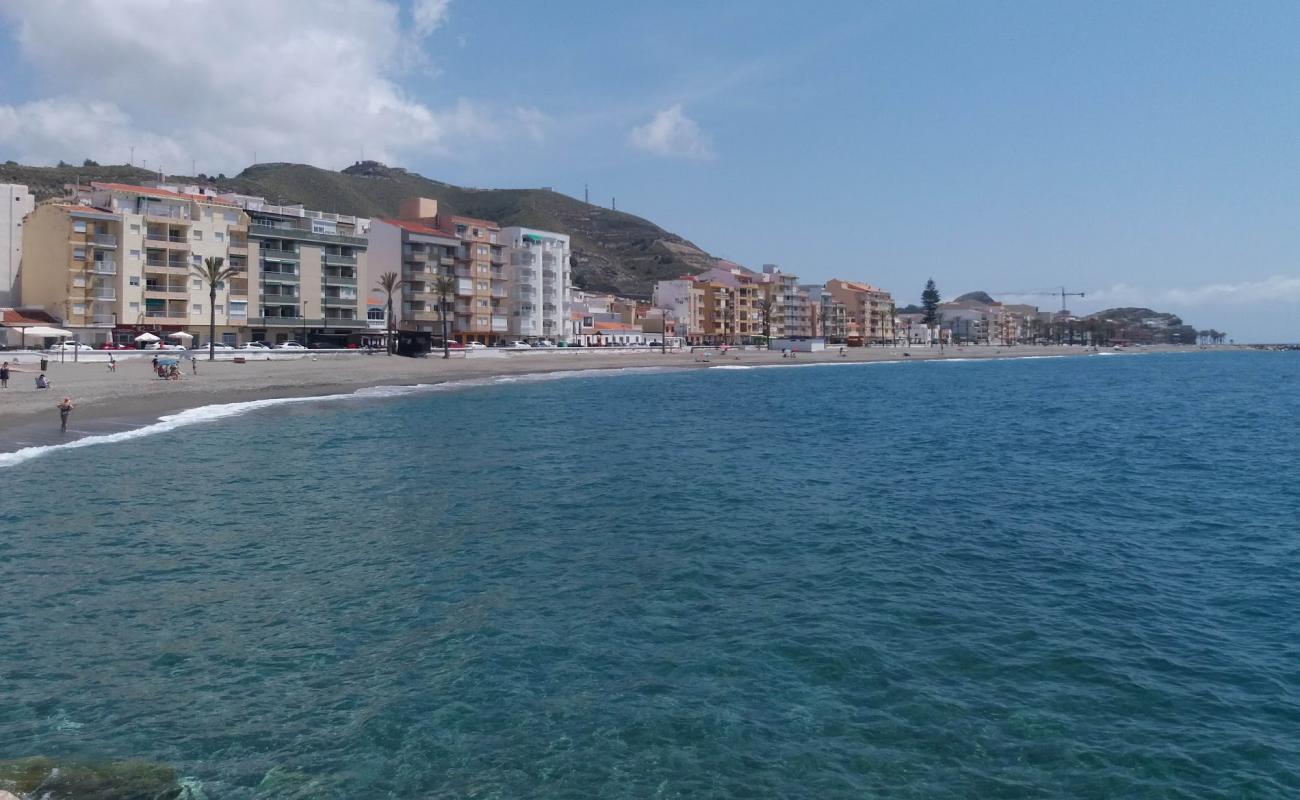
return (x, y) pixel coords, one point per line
(211, 413)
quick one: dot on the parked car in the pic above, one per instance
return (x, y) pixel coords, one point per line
(218, 346)
(544, 343)
(289, 346)
(475, 346)
(69, 347)
(255, 346)
(518, 345)
(115, 346)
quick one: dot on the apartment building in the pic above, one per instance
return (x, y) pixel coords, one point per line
(17, 203)
(419, 254)
(683, 301)
(792, 314)
(307, 270)
(118, 260)
(481, 309)
(538, 275)
(869, 310)
(829, 316)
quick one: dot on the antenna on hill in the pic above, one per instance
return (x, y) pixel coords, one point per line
(131, 162)
(613, 204)
(586, 198)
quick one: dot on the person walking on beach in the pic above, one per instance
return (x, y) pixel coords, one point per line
(65, 408)
(4, 375)
(112, 363)
(194, 366)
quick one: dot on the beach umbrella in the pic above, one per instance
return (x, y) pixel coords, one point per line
(180, 335)
(146, 337)
(42, 331)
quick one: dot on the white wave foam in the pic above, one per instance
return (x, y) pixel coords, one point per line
(194, 416)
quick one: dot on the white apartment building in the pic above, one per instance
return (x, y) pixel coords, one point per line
(17, 204)
(539, 281)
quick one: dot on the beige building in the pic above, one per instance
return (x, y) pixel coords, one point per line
(120, 260)
(869, 310)
(419, 254)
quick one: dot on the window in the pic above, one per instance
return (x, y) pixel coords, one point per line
(375, 315)
(482, 304)
(197, 283)
(196, 309)
(232, 217)
(482, 251)
(79, 253)
(196, 259)
(196, 234)
(482, 321)
(135, 254)
(135, 227)
(78, 281)
(135, 280)
(219, 236)
(78, 308)
(220, 309)
(79, 226)
(484, 286)
(133, 306)
(238, 308)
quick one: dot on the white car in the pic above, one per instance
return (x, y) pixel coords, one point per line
(170, 346)
(255, 346)
(475, 346)
(519, 345)
(289, 346)
(69, 347)
(544, 343)
(217, 346)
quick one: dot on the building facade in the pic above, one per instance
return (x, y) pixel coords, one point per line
(420, 255)
(119, 260)
(538, 274)
(17, 203)
(869, 310)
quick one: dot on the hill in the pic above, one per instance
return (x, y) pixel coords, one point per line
(1145, 325)
(977, 297)
(613, 251)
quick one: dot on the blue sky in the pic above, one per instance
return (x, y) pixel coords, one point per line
(1144, 152)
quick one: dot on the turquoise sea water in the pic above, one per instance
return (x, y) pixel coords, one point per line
(1055, 578)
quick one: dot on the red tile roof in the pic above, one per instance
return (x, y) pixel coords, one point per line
(80, 209)
(413, 227)
(27, 316)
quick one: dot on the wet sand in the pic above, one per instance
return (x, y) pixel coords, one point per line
(132, 396)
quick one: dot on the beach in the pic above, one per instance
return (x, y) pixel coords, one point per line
(132, 396)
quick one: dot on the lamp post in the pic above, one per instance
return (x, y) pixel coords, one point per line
(305, 303)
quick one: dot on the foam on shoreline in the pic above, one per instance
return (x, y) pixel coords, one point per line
(219, 411)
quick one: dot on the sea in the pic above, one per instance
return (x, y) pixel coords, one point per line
(1033, 578)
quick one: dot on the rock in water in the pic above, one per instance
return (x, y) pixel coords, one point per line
(88, 780)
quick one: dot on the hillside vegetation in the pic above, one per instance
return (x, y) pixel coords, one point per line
(613, 251)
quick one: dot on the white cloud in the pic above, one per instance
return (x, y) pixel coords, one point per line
(672, 134)
(533, 121)
(214, 82)
(1276, 289)
(429, 15)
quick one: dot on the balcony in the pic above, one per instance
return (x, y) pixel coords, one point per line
(279, 275)
(339, 301)
(104, 268)
(342, 260)
(447, 261)
(272, 232)
(163, 288)
(105, 240)
(155, 211)
(102, 293)
(104, 319)
(278, 254)
(415, 255)
(339, 280)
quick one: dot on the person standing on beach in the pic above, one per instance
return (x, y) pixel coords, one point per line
(65, 408)
(4, 375)
(194, 365)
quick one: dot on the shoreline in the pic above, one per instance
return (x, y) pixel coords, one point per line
(131, 398)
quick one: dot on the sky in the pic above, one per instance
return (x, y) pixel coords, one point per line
(1145, 153)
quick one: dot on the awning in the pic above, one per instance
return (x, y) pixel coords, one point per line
(41, 330)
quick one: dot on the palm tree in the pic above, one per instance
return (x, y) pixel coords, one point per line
(390, 283)
(444, 286)
(214, 272)
(765, 308)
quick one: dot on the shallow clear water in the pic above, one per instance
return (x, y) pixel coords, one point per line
(1050, 578)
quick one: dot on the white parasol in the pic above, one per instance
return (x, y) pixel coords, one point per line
(43, 331)
(146, 337)
(180, 335)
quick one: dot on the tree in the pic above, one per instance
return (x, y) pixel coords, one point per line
(930, 302)
(390, 283)
(214, 272)
(765, 307)
(445, 286)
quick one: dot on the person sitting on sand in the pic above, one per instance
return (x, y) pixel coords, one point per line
(42, 382)
(65, 408)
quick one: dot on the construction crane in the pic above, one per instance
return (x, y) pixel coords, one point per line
(1061, 293)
